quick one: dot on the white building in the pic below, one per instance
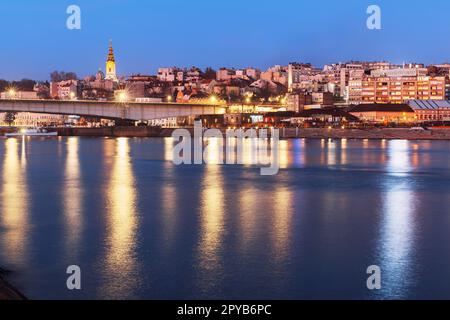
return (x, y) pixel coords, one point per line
(28, 119)
(21, 95)
(64, 90)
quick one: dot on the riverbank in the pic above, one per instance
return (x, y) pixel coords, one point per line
(384, 133)
(285, 133)
(7, 291)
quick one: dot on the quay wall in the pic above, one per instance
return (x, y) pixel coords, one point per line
(285, 133)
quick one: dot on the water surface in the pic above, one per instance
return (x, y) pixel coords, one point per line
(141, 227)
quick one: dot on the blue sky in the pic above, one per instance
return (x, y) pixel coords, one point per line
(239, 33)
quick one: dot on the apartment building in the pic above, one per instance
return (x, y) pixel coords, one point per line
(298, 73)
(297, 101)
(402, 89)
(354, 89)
(345, 72)
(170, 74)
(276, 74)
(224, 74)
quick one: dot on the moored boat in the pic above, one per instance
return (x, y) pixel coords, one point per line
(32, 132)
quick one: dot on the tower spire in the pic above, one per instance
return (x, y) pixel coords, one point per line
(111, 64)
(111, 52)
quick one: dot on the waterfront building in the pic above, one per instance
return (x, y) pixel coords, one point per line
(278, 118)
(296, 101)
(383, 113)
(237, 119)
(325, 116)
(431, 110)
(28, 119)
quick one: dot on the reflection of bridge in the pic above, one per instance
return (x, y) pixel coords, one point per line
(111, 110)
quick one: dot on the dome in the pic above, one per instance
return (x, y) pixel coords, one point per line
(100, 75)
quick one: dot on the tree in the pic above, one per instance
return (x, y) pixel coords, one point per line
(210, 74)
(3, 85)
(24, 84)
(9, 118)
(57, 76)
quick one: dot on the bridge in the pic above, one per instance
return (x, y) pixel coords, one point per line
(111, 110)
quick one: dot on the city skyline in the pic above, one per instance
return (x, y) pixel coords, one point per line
(148, 36)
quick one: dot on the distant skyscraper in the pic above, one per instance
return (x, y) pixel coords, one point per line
(111, 65)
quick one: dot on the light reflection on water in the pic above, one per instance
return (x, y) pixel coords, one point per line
(14, 203)
(73, 196)
(396, 243)
(219, 231)
(282, 224)
(169, 196)
(210, 246)
(397, 240)
(399, 158)
(121, 263)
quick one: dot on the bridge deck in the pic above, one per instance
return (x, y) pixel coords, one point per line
(109, 109)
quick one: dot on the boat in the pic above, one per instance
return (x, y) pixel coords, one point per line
(32, 132)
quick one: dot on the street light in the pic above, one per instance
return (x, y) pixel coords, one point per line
(169, 98)
(213, 99)
(123, 97)
(12, 93)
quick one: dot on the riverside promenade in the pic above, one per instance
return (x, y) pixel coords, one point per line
(285, 133)
(382, 133)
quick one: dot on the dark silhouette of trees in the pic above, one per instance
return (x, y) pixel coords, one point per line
(3, 85)
(209, 74)
(9, 118)
(23, 85)
(57, 76)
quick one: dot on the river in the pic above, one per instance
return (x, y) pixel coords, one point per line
(140, 227)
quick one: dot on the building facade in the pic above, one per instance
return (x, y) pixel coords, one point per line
(402, 89)
(431, 110)
(383, 113)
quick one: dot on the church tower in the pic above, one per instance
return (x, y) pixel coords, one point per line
(111, 65)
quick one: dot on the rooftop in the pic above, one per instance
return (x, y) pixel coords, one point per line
(429, 104)
(381, 107)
